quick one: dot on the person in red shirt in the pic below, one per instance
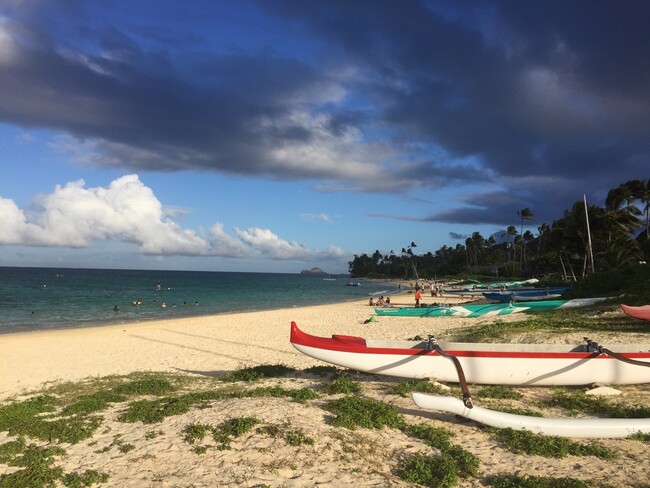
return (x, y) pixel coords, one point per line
(418, 295)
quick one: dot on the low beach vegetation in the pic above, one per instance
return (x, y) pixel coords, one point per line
(516, 481)
(230, 429)
(256, 373)
(223, 434)
(292, 436)
(39, 469)
(322, 371)
(63, 414)
(466, 464)
(440, 471)
(526, 442)
(405, 388)
(358, 411)
(342, 383)
(578, 402)
(499, 391)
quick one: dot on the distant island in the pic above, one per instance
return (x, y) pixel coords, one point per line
(314, 272)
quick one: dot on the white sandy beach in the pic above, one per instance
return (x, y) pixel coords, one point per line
(210, 346)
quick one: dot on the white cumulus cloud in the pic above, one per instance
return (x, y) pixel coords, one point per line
(129, 211)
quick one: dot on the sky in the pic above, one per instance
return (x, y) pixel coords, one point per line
(276, 136)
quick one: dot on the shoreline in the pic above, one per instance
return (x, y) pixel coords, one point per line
(23, 329)
(223, 341)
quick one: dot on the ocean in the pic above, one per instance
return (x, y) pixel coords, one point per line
(58, 298)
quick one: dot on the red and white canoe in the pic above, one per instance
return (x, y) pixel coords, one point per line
(642, 313)
(482, 363)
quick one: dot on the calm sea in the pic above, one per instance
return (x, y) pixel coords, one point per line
(50, 298)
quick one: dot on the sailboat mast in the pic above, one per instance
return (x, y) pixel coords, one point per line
(591, 252)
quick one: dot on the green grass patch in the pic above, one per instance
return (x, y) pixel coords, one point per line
(342, 383)
(641, 436)
(466, 463)
(356, 411)
(440, 471)
(39, 470)
(91, 403)
(499, 391)
(156, 410)
(576, 401)
(292, 436)
(405, 388)
(146, 386)
(515, 481)
(227, 431)
(87, 478)
(322, 371)
(300, 395)
(437, 437)
(256, 373)
(152, 434)
(35, 418)
(526, 442)
(195, 432)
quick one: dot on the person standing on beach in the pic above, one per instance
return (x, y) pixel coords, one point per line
(418, 295)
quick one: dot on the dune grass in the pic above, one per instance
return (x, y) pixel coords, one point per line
(65, 414)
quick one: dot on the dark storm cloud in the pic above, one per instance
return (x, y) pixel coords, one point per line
(548, 100)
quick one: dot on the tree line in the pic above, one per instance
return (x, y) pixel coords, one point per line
(619, 234)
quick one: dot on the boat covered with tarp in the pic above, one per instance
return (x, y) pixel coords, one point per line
(486, 309)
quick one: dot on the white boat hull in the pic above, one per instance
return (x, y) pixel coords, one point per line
(488, 370)
(586, 428)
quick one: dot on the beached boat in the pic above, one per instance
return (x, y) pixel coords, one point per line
(517, 297)
(642, 313)
(497, 364)
(487, 309)
(536, 294)
(585, 428)
(481, 287)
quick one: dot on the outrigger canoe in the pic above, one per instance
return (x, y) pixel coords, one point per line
(641, 313)
(585, 428)
(481, 310)
(527, 295)
(479, 287)
(482, 363)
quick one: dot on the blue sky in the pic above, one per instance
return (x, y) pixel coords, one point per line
(282, 135)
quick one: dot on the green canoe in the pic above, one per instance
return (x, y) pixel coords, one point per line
(481, 310)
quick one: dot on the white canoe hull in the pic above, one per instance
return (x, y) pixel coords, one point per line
(586, 428)
(489, 370)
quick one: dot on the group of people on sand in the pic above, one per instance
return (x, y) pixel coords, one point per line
(381, 302)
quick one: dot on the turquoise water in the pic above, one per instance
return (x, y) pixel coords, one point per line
(51, 298)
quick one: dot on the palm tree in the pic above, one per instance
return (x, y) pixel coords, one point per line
(511, 231)
(523, 214)
(620, 214)
(640, 190)
(409, 252)
(543, 230)
(527, 238)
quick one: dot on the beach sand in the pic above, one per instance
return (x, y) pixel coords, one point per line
(209, 347)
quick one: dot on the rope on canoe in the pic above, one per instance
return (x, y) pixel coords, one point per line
(467, 397)
(595, 347)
